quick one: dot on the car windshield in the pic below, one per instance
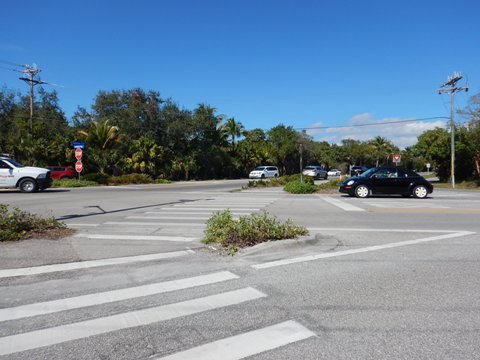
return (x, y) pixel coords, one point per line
(309, 168)
(368, 172)
(260, 168)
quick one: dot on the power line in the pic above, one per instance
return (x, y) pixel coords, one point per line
(372, 124)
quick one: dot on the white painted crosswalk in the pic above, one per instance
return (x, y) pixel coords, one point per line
(237, 346)
(59, 334)
(43, 269)
(247, 344)
(106, 312)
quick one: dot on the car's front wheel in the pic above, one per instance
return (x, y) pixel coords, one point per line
(420, 192)
(28, 186)
(362, 191)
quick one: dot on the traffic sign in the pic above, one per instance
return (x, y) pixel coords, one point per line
(397, 158)
(78, 153)
(78, 166)
(77, 145)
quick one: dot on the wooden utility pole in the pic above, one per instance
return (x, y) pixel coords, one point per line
(30, 78)
(451, 87)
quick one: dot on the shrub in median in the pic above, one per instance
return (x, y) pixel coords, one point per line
(72, 183)
(298, 187)
(249, 230)
(17, 224)
(130, 179)
(97, 177)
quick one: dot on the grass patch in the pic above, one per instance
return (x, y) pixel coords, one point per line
(277, 182)
(72, 183)
(464, 185)
(16, 224)
(232, 234)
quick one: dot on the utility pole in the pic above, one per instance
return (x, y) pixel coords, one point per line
(451, 87)
(30, 78)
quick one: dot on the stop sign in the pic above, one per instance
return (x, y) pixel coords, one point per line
(78, 166)
(78, 153)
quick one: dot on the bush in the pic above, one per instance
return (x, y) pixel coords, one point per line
(332, 184)
(162, 181)
(298, 187)
(17, 224)
(97, 177)
(279, 181)
(71, 183)
(130, 179)
(248, 230)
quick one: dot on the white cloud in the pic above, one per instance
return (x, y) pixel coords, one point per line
(402, 134)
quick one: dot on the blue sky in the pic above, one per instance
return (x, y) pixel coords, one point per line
(264, 62)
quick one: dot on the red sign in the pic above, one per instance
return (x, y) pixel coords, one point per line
(397, 158)
(78, 166)
(78, 153)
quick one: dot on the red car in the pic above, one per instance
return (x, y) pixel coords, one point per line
(62, 172)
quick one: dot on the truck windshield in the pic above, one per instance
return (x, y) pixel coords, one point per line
(15, 163)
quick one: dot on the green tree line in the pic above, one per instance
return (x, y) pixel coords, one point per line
(137, 131)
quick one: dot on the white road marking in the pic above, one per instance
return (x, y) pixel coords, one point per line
(139, 237)
(341, 204)
(152, 217)
(358, 251)
(157, 223)
(81, 225)
(77, 302)
(218, 208)
(89, 264)
(381, 230)
(55, 335)
(203, 213)
(247, 344)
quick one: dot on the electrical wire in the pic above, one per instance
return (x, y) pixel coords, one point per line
(372, 124)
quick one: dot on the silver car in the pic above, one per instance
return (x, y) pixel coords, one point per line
(316, 172)
(263, 172)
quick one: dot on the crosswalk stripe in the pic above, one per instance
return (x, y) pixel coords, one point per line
(138, 237)
(152, 217)
(194, 212)
(157, 223)
(81, 225)
(56, 335)
(217, 208)
(77, 302)
(341, 204)
(90, 264)
(247, 344)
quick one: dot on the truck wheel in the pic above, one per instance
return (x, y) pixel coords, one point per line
(28, 186)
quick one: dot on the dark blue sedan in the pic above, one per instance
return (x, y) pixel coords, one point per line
(387, 180)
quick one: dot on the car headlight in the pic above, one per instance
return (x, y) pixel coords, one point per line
(351, 182)
(42, 176)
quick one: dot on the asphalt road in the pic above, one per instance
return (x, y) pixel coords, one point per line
(377, 278)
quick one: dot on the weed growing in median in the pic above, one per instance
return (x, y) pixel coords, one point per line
(298, 187)
(249, 230)
(16, 224)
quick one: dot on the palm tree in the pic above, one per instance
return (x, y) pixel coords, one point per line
(102, 138)
(102, 135)
(381, 148)
(233, 129)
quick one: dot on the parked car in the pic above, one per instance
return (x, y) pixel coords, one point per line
(387, 180)
(27, 178)
(316, 171)
(62, 172)
(357, 170)
(334, 172)
(262, 172)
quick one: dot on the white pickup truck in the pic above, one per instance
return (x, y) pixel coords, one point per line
(28, 179)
